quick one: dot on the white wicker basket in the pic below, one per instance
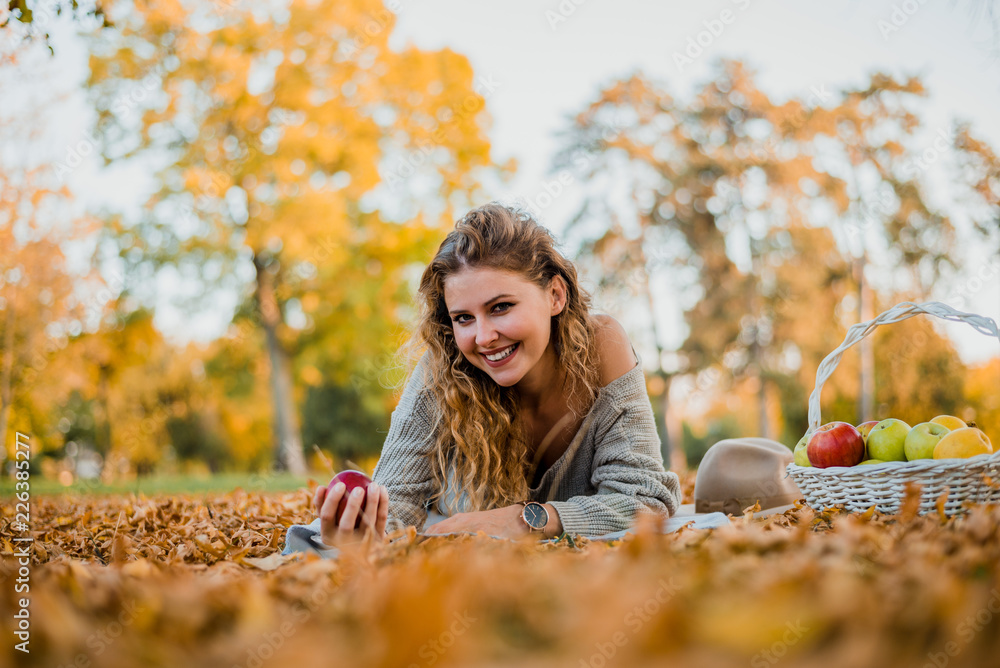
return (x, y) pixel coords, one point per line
(976, 479)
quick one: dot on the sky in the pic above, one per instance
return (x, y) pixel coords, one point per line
(546, 60)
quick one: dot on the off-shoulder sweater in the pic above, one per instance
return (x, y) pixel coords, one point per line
(612, 467)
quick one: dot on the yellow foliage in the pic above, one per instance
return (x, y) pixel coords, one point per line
(190, 578)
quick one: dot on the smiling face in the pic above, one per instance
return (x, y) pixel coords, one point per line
(493, 310)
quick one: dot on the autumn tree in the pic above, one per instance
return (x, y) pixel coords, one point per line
(299, 146)
(39, 302)
(724, 195)
(691, 181)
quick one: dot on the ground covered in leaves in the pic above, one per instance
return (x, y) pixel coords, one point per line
(197, 581)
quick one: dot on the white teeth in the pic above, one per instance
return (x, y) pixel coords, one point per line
(500, 355)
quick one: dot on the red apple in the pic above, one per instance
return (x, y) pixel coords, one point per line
(351, 479)
(836, 444)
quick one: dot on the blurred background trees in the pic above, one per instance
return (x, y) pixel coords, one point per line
(278, 141)
(763, 222)
(313, 179)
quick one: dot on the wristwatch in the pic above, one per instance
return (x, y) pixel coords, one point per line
(534, 515)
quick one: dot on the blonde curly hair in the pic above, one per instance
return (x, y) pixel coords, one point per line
(480, 433)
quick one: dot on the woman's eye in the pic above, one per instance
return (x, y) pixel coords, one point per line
(458, 317)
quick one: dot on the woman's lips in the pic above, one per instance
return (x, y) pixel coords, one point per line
(517, 347)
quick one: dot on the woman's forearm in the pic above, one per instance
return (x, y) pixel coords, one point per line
(554, 526)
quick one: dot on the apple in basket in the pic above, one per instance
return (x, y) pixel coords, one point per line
(799, 454)
(351, 479)
(836, 444)
(922, 439)
(887, 440)
(866, 427)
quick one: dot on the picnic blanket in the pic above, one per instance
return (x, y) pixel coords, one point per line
(305, 537)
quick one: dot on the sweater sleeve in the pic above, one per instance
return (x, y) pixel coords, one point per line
(627, 470)
(403, 467)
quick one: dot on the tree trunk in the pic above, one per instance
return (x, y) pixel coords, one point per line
(673, 452)
(763, 426)
(103, 430)
(866, 392)
(287, 439)
(670, 440)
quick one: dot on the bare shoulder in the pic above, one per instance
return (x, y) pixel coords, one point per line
(614, 348)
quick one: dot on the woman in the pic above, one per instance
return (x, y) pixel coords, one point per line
(521, 395)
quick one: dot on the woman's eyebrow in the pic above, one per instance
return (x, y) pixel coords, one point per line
(458, 310)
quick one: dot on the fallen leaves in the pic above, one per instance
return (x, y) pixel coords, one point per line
(163, 581)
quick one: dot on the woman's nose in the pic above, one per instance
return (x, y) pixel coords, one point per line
(485, 335)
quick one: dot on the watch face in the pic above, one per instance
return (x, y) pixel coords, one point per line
(536, 515)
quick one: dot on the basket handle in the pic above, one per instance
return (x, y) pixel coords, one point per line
(897, 313)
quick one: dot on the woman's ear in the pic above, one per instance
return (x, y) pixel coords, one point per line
(557, 294)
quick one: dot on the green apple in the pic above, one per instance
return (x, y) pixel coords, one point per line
(801, 457)
(871, 461)
(887, 439)
(921, 440)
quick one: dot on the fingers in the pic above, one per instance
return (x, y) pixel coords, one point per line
(371, 507)
(374, 516)
(350, 516)
(328, 505)
(383, 510)
(318, 498)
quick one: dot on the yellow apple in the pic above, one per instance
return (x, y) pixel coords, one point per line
(949, 421)
(961, 443)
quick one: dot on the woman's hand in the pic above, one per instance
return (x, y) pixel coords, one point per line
(374, 517)
(503, 522)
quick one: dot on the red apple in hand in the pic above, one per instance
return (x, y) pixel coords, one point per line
(351, 479)
(836, 444)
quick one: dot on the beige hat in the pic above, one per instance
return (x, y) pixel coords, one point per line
(737, 472)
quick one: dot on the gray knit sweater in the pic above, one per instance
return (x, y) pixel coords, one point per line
(612, 467)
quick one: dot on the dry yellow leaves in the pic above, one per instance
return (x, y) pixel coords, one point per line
(199, 581)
